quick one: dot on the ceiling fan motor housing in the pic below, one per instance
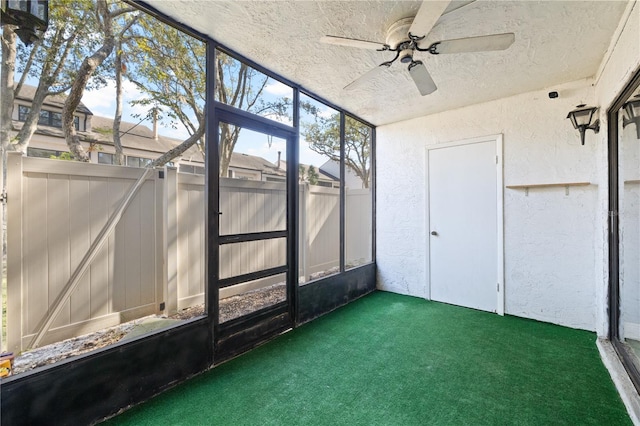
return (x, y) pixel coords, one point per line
(398, 32)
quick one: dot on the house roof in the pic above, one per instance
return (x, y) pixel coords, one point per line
(321, 173)
(132, 135)
(253, 162)
(27, 92)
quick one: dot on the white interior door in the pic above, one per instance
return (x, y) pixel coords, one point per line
(465, 224)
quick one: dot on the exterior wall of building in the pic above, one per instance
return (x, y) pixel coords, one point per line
(555, 244)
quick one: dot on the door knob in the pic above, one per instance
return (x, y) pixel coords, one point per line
(434, 233)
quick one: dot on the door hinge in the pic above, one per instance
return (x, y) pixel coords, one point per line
(3, 197)
(498, 287)
(497, 160)
(162, 306)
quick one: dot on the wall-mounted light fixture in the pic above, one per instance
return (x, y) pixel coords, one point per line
(31, 17)
(581, 119)
(632, 113)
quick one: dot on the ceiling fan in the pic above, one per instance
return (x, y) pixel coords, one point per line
(404, 38)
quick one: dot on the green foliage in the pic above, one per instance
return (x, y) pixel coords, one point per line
(169, 67)
(323, 136)
(302, 172)
(312, 175)
(67, 156)
(102, 130)
(72, 34)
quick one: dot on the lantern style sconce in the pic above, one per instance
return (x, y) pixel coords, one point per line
(30, 16)
(581, 119)
(632, 114)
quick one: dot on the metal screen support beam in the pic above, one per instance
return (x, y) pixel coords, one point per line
(71, 285)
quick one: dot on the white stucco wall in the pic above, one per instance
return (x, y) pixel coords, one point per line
(555, 244)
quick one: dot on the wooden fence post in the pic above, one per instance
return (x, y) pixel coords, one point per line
(170, 244)
(14, 252)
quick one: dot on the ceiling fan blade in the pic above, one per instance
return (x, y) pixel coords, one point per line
(368, 76)
(422, 78)
(352, 42)
(474, 44)
(428, 15)
(457, 4)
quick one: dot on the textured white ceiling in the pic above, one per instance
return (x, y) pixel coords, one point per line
(556, 42)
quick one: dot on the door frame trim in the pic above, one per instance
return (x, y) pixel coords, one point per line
(498, 139)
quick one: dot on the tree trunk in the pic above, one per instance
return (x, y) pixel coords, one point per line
(6, 84)
(228, 140)
(31, 123)
(117, 119)
(85, 72)
(178, 150)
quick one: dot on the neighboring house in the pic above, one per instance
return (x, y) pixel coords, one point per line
(351, 180)
(324, 178)
(251, 167)
(141, 145)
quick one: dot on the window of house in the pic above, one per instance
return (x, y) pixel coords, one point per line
(23, 110)
(46, 118)
(138, 161)
(186, 168)
(105, 158)
(43, 153)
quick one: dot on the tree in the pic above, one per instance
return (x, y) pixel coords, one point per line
(240, 86)
(312, 176)
(323, 136)
(168, 66)
(7, 85)
(302, 173)
(105, 16)
(51, 60)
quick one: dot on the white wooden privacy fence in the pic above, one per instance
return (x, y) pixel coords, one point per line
(154, 260)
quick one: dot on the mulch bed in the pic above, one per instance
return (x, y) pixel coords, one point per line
(230, 308)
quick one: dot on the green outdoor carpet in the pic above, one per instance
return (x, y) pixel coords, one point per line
(388, 359)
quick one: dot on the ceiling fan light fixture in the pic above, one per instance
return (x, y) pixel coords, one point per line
(406, 56)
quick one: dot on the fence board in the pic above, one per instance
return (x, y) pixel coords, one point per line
(36, 301)
(57, 198)
(99, 271)
(358, 232)
(79, 242)
(60, 214)
(190, 239)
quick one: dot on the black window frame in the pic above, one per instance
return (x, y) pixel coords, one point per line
(46, 117)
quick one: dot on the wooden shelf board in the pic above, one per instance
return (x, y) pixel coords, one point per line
(548, 185)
